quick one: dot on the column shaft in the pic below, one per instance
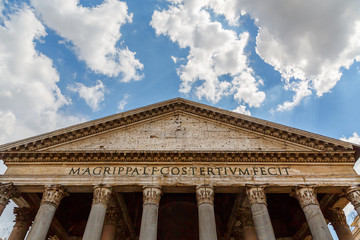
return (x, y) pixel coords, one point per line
(207, 224)
(94, 225)
(149, 220)
(260, 214)
(42, 222)
(315, 219)
(49, 203)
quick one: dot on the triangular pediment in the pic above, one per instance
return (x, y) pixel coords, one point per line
(179, 131)
(178, 125)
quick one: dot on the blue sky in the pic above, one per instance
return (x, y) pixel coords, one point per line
(292, 62)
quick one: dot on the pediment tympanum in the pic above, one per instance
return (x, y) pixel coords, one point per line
(179, 132)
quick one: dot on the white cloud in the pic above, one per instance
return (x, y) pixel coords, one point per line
(307, 42)
(242, 109)
(214, 52)
(93, 96)
(94, 32)
(123, 102)
(355, 138)
(30, 100)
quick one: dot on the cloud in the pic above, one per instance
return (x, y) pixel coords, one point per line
(307, 42)
(355, 138)
(30, 100)
(242, 109)
(93, 96)
(123, 102)
(217, 65)
(94, 33)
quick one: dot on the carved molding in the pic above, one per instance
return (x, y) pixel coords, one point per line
(305, 195)
(353, 195)
(205, 194)
(178, 156)
(113, 215)
(244, 215)
(152, 195)
(23, 217)
(336, 216)
(244, 122)
(101, 194)
(7, 191)
(256, 194)
(53, 195)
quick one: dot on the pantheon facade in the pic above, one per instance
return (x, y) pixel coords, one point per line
(179, 170)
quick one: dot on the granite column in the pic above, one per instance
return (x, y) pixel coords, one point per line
(49, 203)
(205, 202)
(95, 223)
(260, 213)
(149, 220)
(315, 219)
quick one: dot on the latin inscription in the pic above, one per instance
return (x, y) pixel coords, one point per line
(180, 171)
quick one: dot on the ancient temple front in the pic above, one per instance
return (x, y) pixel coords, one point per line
(179, 170)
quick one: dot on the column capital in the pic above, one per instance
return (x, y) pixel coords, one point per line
(256, 194)
(353, 195)
(23, 217)
(336, 216)
(245, 216)
(112, 216)
(306, 195)
(7, 191)
(151, 195)
(53, 194)
(102, 194)
(205, 194)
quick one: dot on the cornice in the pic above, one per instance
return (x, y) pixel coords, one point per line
(177, 156)
(259, 126)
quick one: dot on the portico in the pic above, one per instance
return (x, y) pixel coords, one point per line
(180, 170)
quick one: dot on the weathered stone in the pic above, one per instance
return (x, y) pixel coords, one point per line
(315, 219)
(49, 203)
(94, 225)
(149, 220)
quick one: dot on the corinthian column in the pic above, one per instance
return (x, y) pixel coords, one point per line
(205, 202)
(315, 219)
(353, 195)
(260, 213)
(95, 223)
(149, 219)
(49, 203)
(247, 223)
(111, 221)
(338, 219)
(7, 191)
(23, 220)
